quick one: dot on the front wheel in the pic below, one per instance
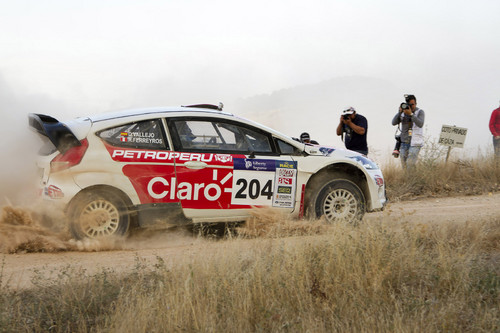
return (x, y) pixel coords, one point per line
(340, 200)
(99, 213)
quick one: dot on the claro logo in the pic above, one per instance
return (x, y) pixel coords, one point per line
(160, 188)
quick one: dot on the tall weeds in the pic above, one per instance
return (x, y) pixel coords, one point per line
(379, 277)
(434, 176)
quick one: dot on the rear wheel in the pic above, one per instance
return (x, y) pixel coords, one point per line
(339, 200)
(99, 213)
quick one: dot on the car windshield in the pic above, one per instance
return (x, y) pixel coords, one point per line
(268, 129)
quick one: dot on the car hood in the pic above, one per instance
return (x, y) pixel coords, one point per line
(320, 150)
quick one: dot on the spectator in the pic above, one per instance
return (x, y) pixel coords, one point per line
(305, 138)
(495, 131)
(412, 120)
(355, 128)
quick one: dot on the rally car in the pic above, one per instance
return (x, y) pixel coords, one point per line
(193, 164)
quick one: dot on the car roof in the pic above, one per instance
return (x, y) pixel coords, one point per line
(193, 110)
(145, 111)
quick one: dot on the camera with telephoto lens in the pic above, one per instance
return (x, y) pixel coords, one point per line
(404, 106)
(395, 152)
(345, 116)
(408, 98)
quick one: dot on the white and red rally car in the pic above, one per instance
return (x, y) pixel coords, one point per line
(193, 164)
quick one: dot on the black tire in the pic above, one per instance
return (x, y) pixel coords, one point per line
(97, 213)
(339, 200)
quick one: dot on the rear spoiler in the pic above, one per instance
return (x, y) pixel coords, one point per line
(58, 133)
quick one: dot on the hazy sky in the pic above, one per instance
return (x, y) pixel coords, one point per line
(69, 58)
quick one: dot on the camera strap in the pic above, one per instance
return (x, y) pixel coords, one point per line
(398, 129)
(410, 128)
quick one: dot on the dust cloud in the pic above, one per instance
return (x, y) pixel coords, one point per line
(35, 229)
(19, 233)
(22, 232)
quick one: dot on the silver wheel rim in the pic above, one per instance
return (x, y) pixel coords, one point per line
(340, 205)
(99, 218)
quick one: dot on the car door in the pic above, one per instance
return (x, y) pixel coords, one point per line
(143, 155)
(225, 167)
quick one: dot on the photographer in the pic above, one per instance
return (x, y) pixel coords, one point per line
(411, 119)
(355, 127)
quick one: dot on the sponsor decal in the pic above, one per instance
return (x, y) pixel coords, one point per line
(284, 189)
(208, 188)
(280, 204)
(285, 181)
(224, 158)
(286, 165)
(379, 180)
(166, 156)
(135, 155)
(254, 164)
(326, 151)
(159, 188)
(286, 174)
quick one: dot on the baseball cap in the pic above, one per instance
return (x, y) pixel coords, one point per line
(304, 136)
(349, 110)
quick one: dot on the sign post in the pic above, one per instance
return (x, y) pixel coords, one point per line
(452, 136)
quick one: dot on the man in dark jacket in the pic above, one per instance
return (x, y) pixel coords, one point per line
(355, 128)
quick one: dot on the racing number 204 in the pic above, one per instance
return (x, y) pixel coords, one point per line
(253, 189)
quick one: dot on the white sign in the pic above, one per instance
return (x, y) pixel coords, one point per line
(452, 136)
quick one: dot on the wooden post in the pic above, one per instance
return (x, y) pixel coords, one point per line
(447, 155)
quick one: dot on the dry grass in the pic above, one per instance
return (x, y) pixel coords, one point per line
(386, 276)
(271, 223)
(436, 177)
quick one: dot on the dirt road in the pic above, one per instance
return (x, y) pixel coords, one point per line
(20, 270)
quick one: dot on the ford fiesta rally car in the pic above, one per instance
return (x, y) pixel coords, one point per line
(193, 164)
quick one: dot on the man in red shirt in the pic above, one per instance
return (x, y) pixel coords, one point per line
(495, 131)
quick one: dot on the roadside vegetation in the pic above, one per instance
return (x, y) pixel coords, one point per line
(279, 275)
(378, 277)
(436, 177)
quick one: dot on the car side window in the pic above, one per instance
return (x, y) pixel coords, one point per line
(257, 141)
(210, 135)
(287, 149)
(146, 134)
